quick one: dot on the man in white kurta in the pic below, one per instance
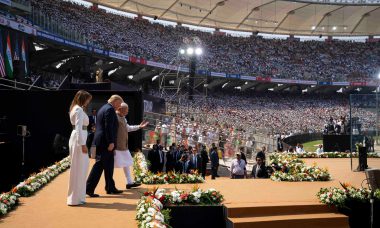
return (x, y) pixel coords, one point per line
(123, 158)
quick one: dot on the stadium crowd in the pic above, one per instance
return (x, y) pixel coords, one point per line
(234, 120)
(309, 60)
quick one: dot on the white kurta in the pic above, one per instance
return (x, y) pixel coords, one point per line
(123, 158)
(79, 160)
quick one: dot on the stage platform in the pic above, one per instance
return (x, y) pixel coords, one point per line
(47, 208)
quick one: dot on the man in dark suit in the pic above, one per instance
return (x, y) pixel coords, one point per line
(214, 161)
(259, 170)
(171, 158)
(178, 155)
(92, 119)
(156, 159)
(196, 161)
(105, 140)
(184, 164)
(205, 160)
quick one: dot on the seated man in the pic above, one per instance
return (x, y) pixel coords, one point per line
(259, 170)
(319, 151)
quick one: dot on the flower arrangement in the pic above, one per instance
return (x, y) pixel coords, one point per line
(143, 175)
(37, 181)
(341, 197)
(290, 168)
(150, 212)
(333, 155)
(8, 201)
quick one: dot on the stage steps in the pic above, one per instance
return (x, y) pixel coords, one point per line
(294, 215)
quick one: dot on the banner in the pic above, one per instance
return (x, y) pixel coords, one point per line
(2, 65)
(6, 2)
(247, 77)
(324, 83)
(358, 83)
(133, 59)
(118, 56)
(263, 79)
(17, 26)
(237, 76)
(341, 83)
(217, 74)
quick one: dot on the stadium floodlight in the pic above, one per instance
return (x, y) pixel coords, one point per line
(198, 51)
(182, 51)
(154, 78)
(190, 51)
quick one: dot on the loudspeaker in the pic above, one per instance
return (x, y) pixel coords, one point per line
(373, 178)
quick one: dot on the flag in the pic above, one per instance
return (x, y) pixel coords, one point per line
(8, 58)
(23, 56)
(2, 66)
(16, 55)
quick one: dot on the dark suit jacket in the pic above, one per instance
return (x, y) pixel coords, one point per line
(214, 158)
(197, 166)
(106, 126)
(91, 120)
(181, 166)
(154, 159)
(262, 172)
(205, 158)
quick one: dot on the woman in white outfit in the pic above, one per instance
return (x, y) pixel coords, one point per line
(78, 149)
(123, 158)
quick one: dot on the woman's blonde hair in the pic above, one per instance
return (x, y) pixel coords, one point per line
(80, 99)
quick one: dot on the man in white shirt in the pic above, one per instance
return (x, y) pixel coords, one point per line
(319, 151)
(238, 167)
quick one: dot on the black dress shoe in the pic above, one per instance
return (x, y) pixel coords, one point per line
(115, 191)
(92, 195)
(129, 186)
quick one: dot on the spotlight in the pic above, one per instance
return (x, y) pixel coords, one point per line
(190, 51)
(182, 51)
(313, 27)
(154, 78)
(130, 77)
(198, 51)
(334, 28)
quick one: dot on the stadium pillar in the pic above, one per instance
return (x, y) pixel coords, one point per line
(192, 69)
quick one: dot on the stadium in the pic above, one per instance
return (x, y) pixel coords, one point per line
(212, 113)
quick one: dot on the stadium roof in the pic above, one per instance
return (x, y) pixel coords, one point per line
(304, 17)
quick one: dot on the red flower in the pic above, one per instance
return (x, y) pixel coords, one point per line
(146, 193)
(162, 199)
(5, 201)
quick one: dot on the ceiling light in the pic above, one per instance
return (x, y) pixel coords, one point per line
(190, 51)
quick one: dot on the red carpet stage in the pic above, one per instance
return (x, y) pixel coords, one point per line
(249, 202)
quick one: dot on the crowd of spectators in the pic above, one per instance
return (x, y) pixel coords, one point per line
(254, 120)
(290, 59)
